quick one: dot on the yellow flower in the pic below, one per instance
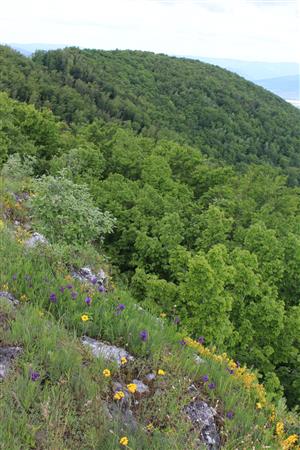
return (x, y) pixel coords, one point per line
(5, 287)
(279, 428)
(163, 315)
(106, 373)
(289, 442)
(124, 441)
(123, 360)
(1, 225)
(258, 405)
(132, 387)
(23, 298)
(161, 372)
(68, 278)
(119, 395)
(150, 427)
(84, 317)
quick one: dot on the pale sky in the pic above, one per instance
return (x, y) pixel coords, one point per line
(261, 30)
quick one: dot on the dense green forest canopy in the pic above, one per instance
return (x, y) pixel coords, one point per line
(159, 96)
(214, 246)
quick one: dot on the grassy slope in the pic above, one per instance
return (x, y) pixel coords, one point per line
(65, 408)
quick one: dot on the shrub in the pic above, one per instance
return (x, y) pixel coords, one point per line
(64, 212)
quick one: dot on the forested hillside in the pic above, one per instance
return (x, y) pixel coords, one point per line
(212, 249)
(161, 97)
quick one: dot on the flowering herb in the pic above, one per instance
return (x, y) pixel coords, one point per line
(52, 297)
(94, 280)
(161, 372)
(132, 388)
(205, 378)
(62, 289)
(69, 286)
(124, 441)
(182, 342)
(201, 340)
(119, 395)
(212, 386)
(84, 317)
(230, 415)
(123, 360)
(106, 373)
(119, 308)
(101, 288)
(34, 376)
(144, 335)
(74, 295)
(88, 301)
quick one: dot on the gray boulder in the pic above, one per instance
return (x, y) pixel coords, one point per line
(106, 351)
(9, 298)
(202, 417)
(36, 239)
(7, 354)
(85, 274)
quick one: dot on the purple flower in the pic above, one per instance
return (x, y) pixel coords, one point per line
(101, 288)
(62, 289)
(94, 280)
(52, 297)
(201, 340)
(182, 342)
(14, 277)
(119, 308)
(144, 335)
(88, 301)
(230, 415)
(231, 371)
(205, 378)
(69, 286)
(176, 320)
(212, 386)
(34, 376)
(74, 295)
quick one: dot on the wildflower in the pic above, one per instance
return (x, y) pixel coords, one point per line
(201, 340)
(289, 442)
(123, 360)
(94, 280)
(258, 405)
(205, 378)
(74, 295)
(161, 372)
(101, 288)
(150, 427)
(52, 297)
(177, 320)
(88, 301)
(124, 441)
(23, 298)
(132, 387)
(5, 287)
(230, 415)
(68, 278)
(163, 315)
(182, 342)
(84, 317)
(34, 376)
(14, 277)
(279, 428)
(119, 395)
(69, 286)
(231, 371)
(212, 386)
(119, 308)
(106, 373)
(144, 335)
